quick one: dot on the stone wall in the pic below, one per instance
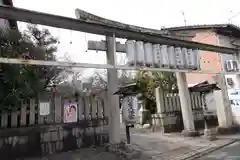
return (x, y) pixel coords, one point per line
(39, 141)
(172, 122)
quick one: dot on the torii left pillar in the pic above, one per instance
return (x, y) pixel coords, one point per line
(112, 86)
(185, 101)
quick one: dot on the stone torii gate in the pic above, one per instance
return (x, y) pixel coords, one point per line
(187, 114)
(119, 30)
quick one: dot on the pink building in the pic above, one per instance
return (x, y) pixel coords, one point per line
(218, 34)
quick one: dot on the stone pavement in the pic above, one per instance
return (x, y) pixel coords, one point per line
(230, 152)
(173, 146)
(82, 154)
(155, 146)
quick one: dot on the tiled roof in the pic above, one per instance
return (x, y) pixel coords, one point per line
(204, 26)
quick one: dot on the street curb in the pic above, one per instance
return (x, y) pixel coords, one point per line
(200, 154)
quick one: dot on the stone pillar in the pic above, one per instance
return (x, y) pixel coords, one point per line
(158, 118)
(144, 114)
(224, 111)
(162, 120)
(187, 114)
(159, 100)
(113, 100)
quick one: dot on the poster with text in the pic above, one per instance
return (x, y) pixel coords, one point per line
(234, 97)
(44, 108)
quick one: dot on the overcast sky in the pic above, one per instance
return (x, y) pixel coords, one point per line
(146, 13)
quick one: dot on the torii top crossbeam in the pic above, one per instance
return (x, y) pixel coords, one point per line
(24, 15)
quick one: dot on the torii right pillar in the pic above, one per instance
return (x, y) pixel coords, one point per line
(223, 107)
(185, 101)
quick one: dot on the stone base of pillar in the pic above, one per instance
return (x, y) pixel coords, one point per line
(187, 133)
(157, 123)
(170, 128)
(165, 123)
(156, 128)
(209, 135)
(230, 130)
(144, 117)
(124, 151)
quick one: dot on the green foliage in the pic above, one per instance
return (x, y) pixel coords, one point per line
(21, 82)
(148, 81)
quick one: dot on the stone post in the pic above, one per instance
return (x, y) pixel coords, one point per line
(224, 111)
(113, 100)
(144, 114)
(185, 101)
(157, 119)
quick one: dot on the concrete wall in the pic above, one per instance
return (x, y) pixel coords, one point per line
(226, 41)
(40, 141)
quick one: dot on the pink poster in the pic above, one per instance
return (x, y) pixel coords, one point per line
(70, 112)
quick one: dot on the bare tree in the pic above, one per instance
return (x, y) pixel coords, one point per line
(70, 79)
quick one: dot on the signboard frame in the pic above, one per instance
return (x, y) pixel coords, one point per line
(44, 108)
(70, 112)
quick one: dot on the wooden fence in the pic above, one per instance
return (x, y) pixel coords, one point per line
(172, 102)
(28, 114)
(25, 129)
(169, 116)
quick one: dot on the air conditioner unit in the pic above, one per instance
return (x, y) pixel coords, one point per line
(231, 66)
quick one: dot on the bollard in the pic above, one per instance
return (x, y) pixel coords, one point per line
(205, 123)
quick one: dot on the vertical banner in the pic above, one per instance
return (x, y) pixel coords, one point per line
(70, 112)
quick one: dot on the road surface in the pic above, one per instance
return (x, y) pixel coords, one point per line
(231, 152)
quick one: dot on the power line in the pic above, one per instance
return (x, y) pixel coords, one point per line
(229, 19)
(234, 16)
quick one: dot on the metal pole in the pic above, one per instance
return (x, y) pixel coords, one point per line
(128, 134)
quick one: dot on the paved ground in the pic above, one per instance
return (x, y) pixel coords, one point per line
(231, 152)
(173, 146)
(155, 145)
(82, 154)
